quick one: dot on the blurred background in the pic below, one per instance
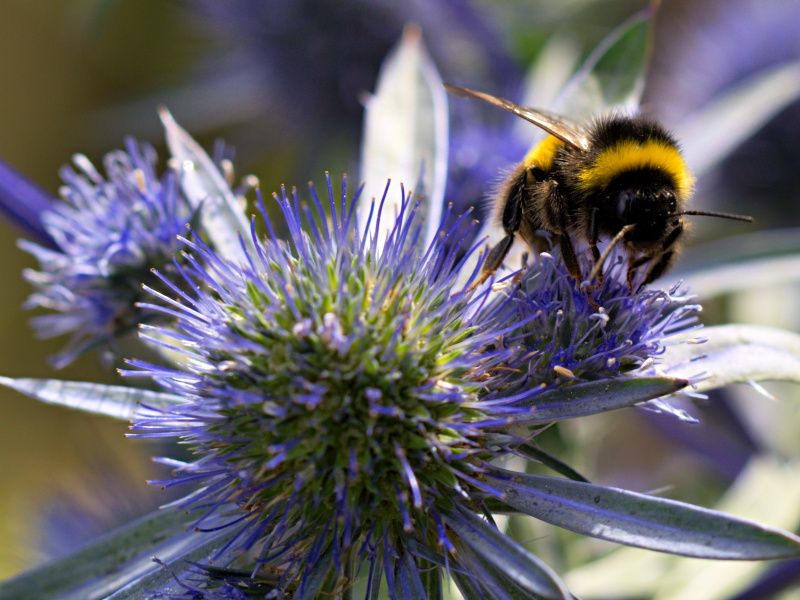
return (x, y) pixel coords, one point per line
(281, 81)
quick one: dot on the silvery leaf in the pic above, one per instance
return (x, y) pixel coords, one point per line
(733, 354)
(405, 136)
(222, 217)
(116, 401)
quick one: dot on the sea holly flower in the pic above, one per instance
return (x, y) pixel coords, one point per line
(109, 232)
(584, 334)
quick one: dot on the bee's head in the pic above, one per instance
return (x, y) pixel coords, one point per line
(651, 209)
(644, 198)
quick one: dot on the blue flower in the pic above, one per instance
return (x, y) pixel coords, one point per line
(589, 334)
(327, 70)
(345, 403)
(108, 233)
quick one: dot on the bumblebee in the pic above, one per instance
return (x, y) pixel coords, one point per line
(620, 177)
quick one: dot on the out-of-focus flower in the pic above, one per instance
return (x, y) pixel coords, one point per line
(109, 233)
(326, 68)
(22, 202)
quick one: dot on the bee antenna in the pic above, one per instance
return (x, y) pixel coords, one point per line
(721, 215)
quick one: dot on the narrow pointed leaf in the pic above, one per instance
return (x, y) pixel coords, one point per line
(222, 218)
(466, 587)
(100, 562)
(432, 582)
(115, 401)
(643, 521)
(533, 452)
(735, 354)
(407, 580)
(594, 397)
(479, 579)
(405, 136)
(711, 134)
(315, 578)
(613, 75)
(506, 555)
(159, 580)
(766, 490)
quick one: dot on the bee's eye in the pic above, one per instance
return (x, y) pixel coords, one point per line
(625, 201)
(666, 198)
(672, 203)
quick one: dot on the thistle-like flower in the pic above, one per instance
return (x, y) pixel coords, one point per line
(582, 333)
(109, 233)
(346, 405)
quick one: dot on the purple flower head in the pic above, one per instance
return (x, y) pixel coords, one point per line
(109, 233)
(344, 402)
(605, 331)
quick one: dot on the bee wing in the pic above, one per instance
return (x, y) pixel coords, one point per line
(568, 132)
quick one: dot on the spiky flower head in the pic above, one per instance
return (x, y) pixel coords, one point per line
(109, 232)
(345, 402)
(574, 332)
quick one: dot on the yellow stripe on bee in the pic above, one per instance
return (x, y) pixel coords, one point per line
(543, 154)
(630, 156)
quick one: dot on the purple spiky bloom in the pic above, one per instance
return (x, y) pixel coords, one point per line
(588, 334)
(109, 233)
(344, 402)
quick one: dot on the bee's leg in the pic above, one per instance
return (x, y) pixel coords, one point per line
(633, 265)
(597, 270)
(555, 221)
(662, 260)
(665, 258)
(570, 259)
(512, 221)
(594, 234)
(495, 258)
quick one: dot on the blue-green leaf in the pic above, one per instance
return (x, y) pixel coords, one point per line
(734, 354)
(315, 578)
(97, 569)
(222, 216)
(432, 581)
(582, 399)
(160, 578)
(405, 136)
(640, 520)
(507, 556)
(116, 401)
(533, 452)
(613, 75)
(406, 578)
